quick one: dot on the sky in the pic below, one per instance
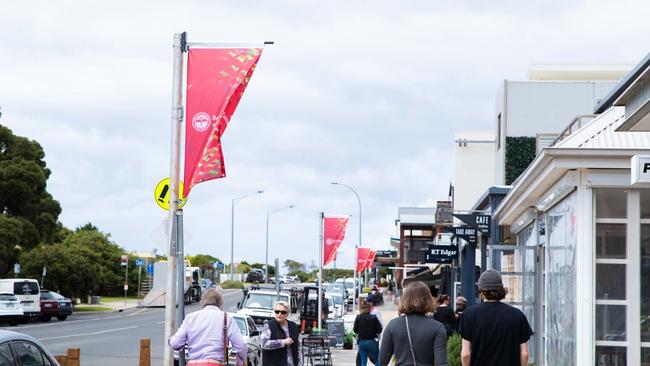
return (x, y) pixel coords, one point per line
(366, 93)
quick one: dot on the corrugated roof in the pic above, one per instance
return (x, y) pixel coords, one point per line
(601, 133)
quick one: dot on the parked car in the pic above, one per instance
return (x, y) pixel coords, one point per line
(290, 279)
(54, 304)
(21, 349)
(28, 293)
(255, 275)
(10, 309)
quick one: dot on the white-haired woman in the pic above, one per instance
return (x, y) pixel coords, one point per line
(203, 333)
(280, 339)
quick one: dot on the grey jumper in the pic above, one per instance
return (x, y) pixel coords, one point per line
(429, 339)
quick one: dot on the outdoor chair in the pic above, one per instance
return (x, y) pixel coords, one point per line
(316, 351)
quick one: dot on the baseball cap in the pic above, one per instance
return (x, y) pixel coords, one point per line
(490, 280)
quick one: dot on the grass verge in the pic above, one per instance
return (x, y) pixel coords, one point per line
(91, 308)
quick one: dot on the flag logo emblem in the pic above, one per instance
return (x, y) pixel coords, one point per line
(201, 121)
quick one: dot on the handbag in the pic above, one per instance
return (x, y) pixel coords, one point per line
(408, 332)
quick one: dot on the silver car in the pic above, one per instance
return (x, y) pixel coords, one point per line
(21, 349)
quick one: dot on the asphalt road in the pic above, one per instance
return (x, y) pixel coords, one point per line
(113, 338)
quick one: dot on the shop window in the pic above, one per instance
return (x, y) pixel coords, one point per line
(645, 277)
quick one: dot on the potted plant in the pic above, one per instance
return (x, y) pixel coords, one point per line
(348, 339)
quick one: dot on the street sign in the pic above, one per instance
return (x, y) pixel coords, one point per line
(16, 268)
(124, 260)
(139, 262)
(219, 265)
(463, 232)
(126, 287)
(150, 268)
(441, 253)
(161, 194)
(476, 221)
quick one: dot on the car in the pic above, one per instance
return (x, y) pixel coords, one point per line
(258, 304)
(339, 304)
(10, 309)
(290, 279)
(351, 287)
(54, 304)
(255, 275)
(27, 291)
(22, 349)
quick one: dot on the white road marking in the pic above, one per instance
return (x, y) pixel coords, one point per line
(87, 334)
(65, 322)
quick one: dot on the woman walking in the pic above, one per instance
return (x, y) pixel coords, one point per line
(413, 338)
(368, 328)
(280, 346)
(445, 314)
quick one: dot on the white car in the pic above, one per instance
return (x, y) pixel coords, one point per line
(258, 304)
(10, 309)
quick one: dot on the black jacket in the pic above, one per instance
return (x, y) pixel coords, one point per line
(367, 326)
(278, 357)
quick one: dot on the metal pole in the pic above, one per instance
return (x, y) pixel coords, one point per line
(277, 280)
(126, 280)
(139, 273)
(232, 240)
(320, 272)
(356, 256)
(266, 257)
(181, 278)
(176, 122)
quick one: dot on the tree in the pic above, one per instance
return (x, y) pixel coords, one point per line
(203, 261)
(28, 213)
(261, 266)
(294, 266)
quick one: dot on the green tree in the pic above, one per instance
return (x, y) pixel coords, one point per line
(28, 213)
(294, 266)
(261, 266)
(203, 261)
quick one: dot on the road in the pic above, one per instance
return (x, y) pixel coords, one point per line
(111, 339)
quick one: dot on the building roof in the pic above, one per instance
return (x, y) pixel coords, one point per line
(559, 72)
(600, 133)
(622, 86)
(416, 215)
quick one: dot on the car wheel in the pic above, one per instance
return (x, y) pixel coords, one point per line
(62, 317)
(46, 318)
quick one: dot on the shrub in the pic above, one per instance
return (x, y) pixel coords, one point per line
(454, 344)
(232, 284)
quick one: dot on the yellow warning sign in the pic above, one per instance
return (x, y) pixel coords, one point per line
(162, 192)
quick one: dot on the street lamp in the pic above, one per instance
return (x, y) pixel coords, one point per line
(356, 252)
(232, 231)
(266, 258)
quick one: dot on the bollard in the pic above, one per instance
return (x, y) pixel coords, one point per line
(145, 352)
(72, 357)
(62, 360)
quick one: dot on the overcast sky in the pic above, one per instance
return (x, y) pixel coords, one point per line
(367, 93)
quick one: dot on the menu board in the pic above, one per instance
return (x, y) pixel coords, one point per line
(335, 332)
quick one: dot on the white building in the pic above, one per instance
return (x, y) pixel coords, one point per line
(473, 167)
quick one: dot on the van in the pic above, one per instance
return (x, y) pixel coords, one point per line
(28, 293)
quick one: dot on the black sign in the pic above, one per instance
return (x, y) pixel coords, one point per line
(335, 332)
(476, 221)
(441, 253)
(463, 232)
(386, 254)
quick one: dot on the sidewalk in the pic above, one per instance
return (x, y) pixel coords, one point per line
(347, 357)
(113, 305)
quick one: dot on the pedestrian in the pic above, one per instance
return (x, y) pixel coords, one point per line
(367, 327)
(494, 333)
(413, 338)
(391, 289)
(325, 308)
(279, 339)
(205, 336)
(445, 314)
(377, 314)
(461, 305)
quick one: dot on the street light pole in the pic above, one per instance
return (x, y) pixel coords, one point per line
(266, 258)
(356, 251)
(232, 231)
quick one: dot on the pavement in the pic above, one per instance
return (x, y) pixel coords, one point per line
(347, 357)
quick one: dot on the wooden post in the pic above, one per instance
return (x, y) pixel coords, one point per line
(72, 357)
(145, 352)
(62, 360)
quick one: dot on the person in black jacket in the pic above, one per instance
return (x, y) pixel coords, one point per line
(279, 338)
(445, 314)
(368, 329)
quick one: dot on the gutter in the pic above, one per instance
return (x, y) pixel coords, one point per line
(613, 95)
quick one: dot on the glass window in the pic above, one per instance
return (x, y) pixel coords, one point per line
(241, 324)
(610, 281)
(610, 241)
(611, 203)
(26, 288)
(8, 297)
(6, 357)
(610, 322)
(645, 356)
(29, 354)
(611, 356)
(645, 283)
(560, 263)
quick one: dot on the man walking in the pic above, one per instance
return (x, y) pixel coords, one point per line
(494, 334)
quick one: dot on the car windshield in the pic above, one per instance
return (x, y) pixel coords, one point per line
(57, 295)
(47, 295)
(262, 301)
(241, 323)
(8, 297)
(338, 300)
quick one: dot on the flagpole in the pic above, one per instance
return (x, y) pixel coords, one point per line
(320, 273)
(176, 122)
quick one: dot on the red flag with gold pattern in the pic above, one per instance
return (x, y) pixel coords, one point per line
(333, 235)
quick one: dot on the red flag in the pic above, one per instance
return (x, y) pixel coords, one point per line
(371, 259)
(362, 258)
(216, 80)
(333, 235)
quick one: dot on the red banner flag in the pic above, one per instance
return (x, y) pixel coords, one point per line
(216, 80)
(371, 259)
(333, 235)
(362, 259)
